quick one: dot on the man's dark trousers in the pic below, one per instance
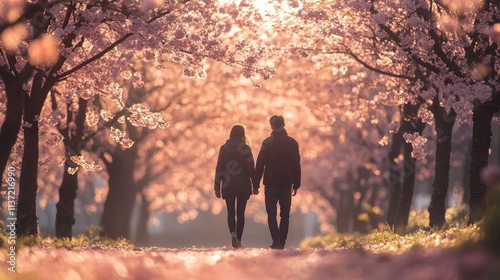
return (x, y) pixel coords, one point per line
(283, 196)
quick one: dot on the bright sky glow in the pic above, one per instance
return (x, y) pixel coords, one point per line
(267, 8)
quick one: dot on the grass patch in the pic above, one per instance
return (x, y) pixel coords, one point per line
(89, 238)
(419, 235)
(380, 241)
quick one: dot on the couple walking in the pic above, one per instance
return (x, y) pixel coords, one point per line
(236, 179)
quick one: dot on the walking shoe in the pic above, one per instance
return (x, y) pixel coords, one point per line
(277, 246)
(239, 243)
(234, 240)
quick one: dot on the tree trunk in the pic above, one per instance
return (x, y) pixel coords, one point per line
(346, 204)
(361, 184)
(407, 190)
(345, 208)
(374, 217)
(27, 219)
(121, 196)
(481, 138)
(142, 234)
(395, 177)
(12, 121)
(466, 174)
(437, 207)
(410, 124)
(65, 216)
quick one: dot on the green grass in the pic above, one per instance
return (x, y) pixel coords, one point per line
(89, 238)
(419, 235)
(387, 241)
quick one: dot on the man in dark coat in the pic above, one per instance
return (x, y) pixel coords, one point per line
(279, 161)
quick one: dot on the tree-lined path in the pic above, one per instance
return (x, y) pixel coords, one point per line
(263, 264)
(112, 113)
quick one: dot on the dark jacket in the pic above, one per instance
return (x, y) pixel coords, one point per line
(235, 168)
(279, 160)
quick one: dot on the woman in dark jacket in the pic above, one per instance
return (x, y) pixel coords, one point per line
(234, 172)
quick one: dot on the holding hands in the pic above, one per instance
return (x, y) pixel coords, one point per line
(255, 191)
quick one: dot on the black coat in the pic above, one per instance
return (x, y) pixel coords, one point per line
(279, 160)
(235, 169)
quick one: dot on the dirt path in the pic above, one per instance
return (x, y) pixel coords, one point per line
(97, 262)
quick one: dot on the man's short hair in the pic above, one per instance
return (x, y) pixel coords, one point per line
(277, 121)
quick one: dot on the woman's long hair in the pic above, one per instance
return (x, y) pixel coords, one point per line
(238, 131)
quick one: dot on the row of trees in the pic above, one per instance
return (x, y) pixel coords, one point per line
(438, 60)
(361, 68)
(172, 168)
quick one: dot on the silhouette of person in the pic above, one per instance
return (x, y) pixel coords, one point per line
(279, 161)
(234, 172)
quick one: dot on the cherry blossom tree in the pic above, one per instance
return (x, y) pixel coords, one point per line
(462, 65)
